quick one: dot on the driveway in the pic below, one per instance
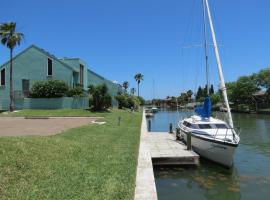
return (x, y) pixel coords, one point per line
(16, 126)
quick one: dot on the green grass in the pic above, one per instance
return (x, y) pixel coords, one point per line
(53, 113)
(90, 162)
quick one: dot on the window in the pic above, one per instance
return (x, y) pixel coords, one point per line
(3, 77)
(187, 124)
(204, 126)
(221, 126)
(81, 74)
(25, 87)
(49, 66)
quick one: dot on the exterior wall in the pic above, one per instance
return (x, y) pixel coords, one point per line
(55, 103)
(76, 62)
(32, 65)
(91, 78)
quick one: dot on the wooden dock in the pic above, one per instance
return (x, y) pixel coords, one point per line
(158, 148)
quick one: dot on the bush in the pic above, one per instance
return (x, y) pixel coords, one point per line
(127, 101)
(100, 98)
(142, 101)
(77, 91)
(49, 89)
(122, 101)
(133, 102)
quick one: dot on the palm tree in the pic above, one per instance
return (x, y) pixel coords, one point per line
(138, 77)
(125, 85)
(133, 90)
(10, 38)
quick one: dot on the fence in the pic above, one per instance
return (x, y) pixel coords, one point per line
(47, 103)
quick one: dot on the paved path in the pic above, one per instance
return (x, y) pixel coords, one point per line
(15, 126)
(145, 181)
(161, 149)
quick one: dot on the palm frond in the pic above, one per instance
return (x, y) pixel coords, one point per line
(9, 36)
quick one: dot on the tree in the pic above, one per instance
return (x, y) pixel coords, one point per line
(138, 77)
(211, 91)
(185, 97)
(199, 94)
(10, 38)
(100, 98)
(205, 91)
(215, 98)
(263, 79)
(189, 93)
(132, 91)
(125, 85)
(241, 91)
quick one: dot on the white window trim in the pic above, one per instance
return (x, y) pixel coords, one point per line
(1, 76)
(48, 67)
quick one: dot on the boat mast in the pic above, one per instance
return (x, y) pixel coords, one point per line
(222, 83)
(206, 49)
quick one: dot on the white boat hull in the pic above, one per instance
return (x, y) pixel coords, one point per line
(217, 152)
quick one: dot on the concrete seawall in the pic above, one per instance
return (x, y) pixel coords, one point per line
(158, 148)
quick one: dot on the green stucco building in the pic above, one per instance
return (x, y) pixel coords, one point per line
(36, 64)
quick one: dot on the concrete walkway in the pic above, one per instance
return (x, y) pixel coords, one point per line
(16, 126)
(158, 148)
(145, 180)
(166, 150)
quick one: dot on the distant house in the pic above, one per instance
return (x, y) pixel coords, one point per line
(35, 64)
(261, 100)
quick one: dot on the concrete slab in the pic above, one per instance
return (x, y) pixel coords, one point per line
(16, 126)
(145, 182)
(164, 146)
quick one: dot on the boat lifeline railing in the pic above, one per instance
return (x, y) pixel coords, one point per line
(234, 131)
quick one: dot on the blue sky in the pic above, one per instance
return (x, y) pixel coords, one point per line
(122, 37)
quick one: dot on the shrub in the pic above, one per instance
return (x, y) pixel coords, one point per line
(142, 101)
(49, 89)
(100, 98)
(133, 102)
(122, 101)
(127, 101)
(77, 91)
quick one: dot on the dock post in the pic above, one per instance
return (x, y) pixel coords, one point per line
(149, 125)
(171, 128)
(189, 141)
(177, 133)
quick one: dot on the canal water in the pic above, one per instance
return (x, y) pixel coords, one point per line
(249, 178)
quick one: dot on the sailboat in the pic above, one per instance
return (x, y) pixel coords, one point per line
(211, 138)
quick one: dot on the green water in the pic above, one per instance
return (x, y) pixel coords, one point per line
(248, 179)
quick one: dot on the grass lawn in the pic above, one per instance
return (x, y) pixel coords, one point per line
(54, 113)
(90, 162)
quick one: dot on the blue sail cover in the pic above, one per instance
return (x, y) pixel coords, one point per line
(205, 110)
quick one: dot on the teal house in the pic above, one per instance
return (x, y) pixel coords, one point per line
(35, 64)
